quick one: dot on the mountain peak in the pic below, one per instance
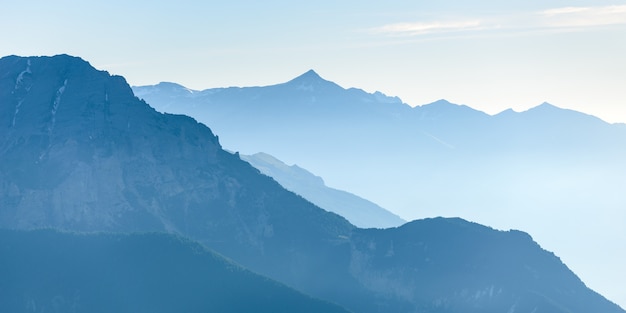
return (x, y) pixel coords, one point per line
(28, 84)
(311, 81)
(546, 105)
(61, 60)
(552, 115)
(174, 87)
(309, 77)
(169, 85)
(544, 108)
(444, 109)
(442, 102)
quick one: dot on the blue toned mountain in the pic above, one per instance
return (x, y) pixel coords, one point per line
(79, 152)
(522, 170)
(49, 271)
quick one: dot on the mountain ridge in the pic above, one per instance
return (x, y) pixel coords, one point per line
(360, 212)
(308, 76)
(311, 76)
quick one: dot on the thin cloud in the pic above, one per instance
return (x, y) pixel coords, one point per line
(585, 16)
(557, 19)
(422, 28)
(565, 10)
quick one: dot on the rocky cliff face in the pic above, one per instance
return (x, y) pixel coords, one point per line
(78, 151)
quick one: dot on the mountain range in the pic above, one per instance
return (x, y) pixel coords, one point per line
(432, 147)
(79, 152)
(557, 173)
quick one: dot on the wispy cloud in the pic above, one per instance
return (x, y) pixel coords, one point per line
(422, 28)
(585, 16)
(555, 19)
(565, 10)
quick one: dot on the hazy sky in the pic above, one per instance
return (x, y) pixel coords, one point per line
(490, 55)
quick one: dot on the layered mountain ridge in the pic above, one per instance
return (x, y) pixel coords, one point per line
(89, 156)
(526, 170)
(360, 212)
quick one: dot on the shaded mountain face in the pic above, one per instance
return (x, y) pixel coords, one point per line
(423, 262)
(48, 271)
(92, 157)
(84, 154)
(358, 211)
(80, 151)
(526, 170)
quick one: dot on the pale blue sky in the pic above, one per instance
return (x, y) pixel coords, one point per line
(490, 55)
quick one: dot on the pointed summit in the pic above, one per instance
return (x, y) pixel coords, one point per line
(441, 102)
(309, 76)
(311, 81)
(543, 109)
(551, 113)
(546, 105)
(444, 109)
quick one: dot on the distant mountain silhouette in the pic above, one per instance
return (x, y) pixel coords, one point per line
(423, 261)
(312, 82)
(425, 144)
(357, 210)
(48, 271)
(79, 152)
(526, 170)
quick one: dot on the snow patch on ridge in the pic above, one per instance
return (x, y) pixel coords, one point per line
(17, 110)
(19, 83)
(55, 104)
(20, 77)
